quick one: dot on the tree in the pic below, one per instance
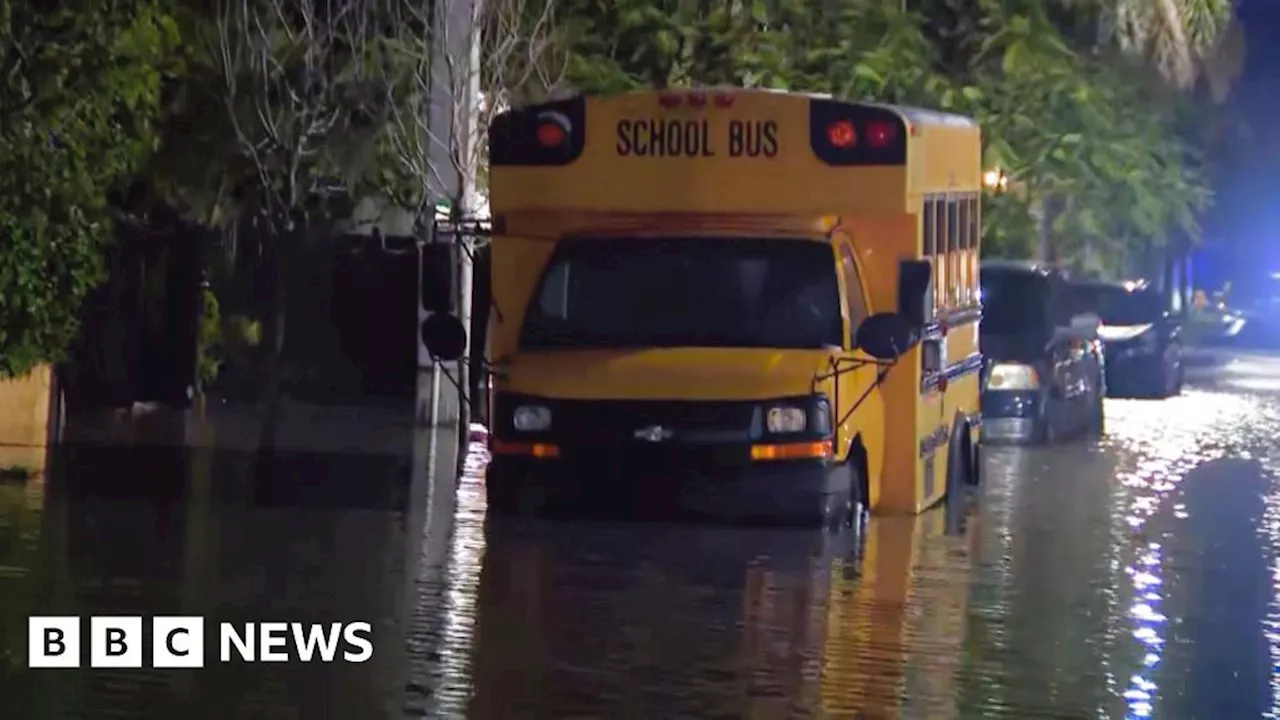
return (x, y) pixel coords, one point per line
(1059, 106)
(1176, 36)
(82, 91)
(196, 124)
(447, 69)
(300, 95)
(440, 99)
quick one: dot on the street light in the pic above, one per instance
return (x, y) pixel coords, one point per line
(996, 180)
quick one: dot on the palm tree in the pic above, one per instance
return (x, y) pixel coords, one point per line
(1184, 41)
(1176, 36)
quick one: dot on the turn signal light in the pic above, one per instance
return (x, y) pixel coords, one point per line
(792, 451)
(542, 451)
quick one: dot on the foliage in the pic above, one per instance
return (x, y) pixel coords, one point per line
(268, 104)
(1086, 125)
(426, 145)
(1070, 93)
(222, 339)
(82, 85)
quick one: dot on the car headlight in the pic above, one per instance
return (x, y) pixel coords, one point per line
(784, 419)
(531, 418)
(1008, 376)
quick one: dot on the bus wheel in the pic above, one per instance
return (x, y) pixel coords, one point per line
(973, 450)
(961, 475)
(840, 505)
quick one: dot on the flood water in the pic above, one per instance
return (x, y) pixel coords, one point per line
(1124, 579)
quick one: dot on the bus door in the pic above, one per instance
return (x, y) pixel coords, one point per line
(852, 385)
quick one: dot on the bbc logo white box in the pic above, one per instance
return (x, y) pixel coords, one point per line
(177, 642)
(115, 642)
(53, 641)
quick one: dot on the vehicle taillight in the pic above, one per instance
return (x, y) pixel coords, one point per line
(842, 134)
(550, 135)
(553, 129)
(669, 100)
(724, 100)
(852, 134)
(546, 135)
(697, 99)
(880, 134)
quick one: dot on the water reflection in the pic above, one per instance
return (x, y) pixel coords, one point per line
(1131, 578)
(150, 531)
(1181, 503)
(645, 621)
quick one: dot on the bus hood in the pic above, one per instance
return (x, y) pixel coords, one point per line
(664, 374)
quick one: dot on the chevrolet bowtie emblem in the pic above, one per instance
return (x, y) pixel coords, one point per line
(653, 433)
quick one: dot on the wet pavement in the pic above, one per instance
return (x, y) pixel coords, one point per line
(1136, 577)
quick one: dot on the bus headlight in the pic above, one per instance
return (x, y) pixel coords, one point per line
(531, 418)
(1008, 376)
(786, 420)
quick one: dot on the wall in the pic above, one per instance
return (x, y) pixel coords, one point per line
(24, 419)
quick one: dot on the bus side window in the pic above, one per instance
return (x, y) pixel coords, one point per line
(928, 244)
(930, 357)
(953, 251)
(941, 279)
(975, 244)
(965, 243)
(853, 283)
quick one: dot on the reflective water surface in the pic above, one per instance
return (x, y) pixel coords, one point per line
(1136, 577)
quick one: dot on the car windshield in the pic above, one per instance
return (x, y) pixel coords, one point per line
(687, 292)
(1013, 302)
(1118, 306)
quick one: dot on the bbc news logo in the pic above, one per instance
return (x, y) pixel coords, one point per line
(179, 642)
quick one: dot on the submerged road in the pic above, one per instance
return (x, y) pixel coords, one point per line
(1135, 577)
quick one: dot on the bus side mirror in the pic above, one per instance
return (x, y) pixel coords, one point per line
(444, 336)
(885, 336)
(915, 292)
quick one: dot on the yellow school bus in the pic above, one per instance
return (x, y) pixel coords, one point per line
(775, 289)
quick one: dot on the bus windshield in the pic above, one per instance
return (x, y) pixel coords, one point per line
(1118, 306)
(687, 292)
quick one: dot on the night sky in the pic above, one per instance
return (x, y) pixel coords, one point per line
(1245, 222)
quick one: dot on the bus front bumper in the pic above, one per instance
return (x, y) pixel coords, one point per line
(721, 481)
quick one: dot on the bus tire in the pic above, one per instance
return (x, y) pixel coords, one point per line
(841, 502)
(961, 475)
(844, 506)
(970, 450)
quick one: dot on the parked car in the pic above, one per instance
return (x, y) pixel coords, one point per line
(1044, 375)
(1141, 338)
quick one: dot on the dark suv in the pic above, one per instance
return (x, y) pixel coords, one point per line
(1043, 377)
(1141, 338)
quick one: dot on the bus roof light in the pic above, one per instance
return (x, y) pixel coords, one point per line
(669, 100)
(880, 134)
(697, 99)
(842, 134)
(551, 134)
(724, 100)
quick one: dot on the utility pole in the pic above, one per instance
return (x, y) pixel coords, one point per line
(442, 433)
(452, 121)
